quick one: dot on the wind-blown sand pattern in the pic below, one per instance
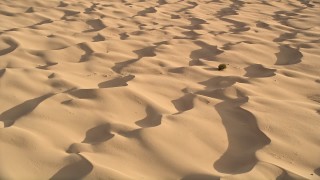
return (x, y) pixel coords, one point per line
(129, 89)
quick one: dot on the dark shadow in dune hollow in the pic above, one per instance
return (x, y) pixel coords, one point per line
(259, 71)
(317, 171)
(146, 11)
(206, 52)
(2, 71)
(75, 170)
(12, 46)
(10, 116)
(152, 119)
(117, 82)
(288, 55)
(95, 24)
(87, 52)
(184, 103)
(98, 134)
(233, 9)
(141, 53)
(244, 136)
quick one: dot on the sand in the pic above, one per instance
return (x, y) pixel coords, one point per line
(129, 89)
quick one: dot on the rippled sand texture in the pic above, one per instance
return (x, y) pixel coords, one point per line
(129, 89)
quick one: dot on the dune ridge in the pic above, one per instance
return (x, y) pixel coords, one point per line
(129, 89)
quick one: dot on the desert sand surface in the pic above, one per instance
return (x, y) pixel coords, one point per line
(129, 89)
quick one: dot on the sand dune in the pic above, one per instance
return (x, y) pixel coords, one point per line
(129, 89)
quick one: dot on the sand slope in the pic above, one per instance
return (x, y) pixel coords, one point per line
(129, 89)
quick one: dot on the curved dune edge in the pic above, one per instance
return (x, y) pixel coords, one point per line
(130, 89)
